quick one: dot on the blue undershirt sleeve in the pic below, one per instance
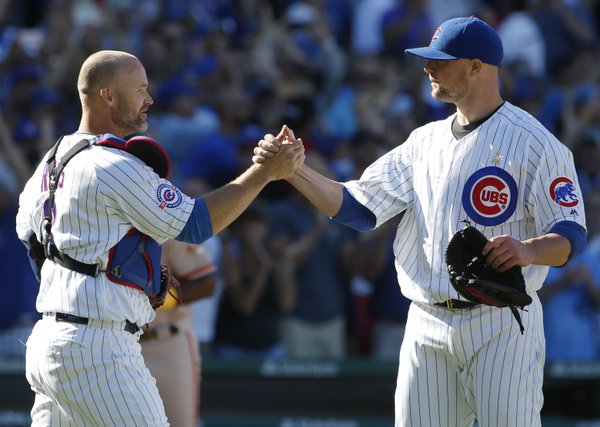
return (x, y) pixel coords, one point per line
(355, 215)
(574, 232)
(199, 226)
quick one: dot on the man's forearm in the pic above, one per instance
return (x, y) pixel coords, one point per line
(551, 249)
(225, 204)
(324, 193)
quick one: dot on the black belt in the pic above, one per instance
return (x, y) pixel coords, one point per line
(456, 304)
(130, 327)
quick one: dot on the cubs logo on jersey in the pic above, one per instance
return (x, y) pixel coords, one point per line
(563, 191)
(490, 196)
(168, 196)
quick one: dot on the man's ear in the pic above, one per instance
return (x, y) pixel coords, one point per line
(476, 66)
(106, 95)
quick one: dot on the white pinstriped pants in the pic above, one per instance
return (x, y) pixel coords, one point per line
(456, 366)
(89, 376)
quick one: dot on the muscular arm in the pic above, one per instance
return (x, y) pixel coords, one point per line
(228, 202)
(551, 249)
(325, 194)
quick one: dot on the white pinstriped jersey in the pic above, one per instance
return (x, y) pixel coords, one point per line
(509, 176)
(103, 193)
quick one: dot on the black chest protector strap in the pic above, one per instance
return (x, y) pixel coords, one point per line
(145, 251)
(55, 168)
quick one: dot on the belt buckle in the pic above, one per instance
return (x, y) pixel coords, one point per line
(131, 327)
(450, 305)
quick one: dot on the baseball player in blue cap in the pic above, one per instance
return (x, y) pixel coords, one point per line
(492, 164)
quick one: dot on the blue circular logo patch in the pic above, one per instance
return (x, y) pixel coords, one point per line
(168, 196)
(490, 196)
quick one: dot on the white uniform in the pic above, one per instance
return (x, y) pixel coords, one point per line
(94, 374)
(509, 176)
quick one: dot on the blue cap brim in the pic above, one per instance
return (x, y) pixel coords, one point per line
(430, 53)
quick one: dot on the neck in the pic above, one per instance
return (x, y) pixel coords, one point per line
(470, 112)
(99, 126)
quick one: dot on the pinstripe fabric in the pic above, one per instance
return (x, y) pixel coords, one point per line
(457, 365)
(92, 375)
(426, 176)
(87, 376)
(104, 192)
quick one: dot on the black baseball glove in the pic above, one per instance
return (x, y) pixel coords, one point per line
(474, 280)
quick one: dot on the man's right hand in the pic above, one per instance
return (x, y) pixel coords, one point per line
(270, 145)
(281, 155)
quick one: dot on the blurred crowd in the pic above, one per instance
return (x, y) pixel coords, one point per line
(290, 282)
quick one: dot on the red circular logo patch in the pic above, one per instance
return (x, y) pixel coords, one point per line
(563, 192)
(490, 196)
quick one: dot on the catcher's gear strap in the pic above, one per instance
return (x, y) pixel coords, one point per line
(55, 169)
(128, 265)
(144, 148)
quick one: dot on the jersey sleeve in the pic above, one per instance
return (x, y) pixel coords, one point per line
(133, 191)
(556, 193)
(386, 186)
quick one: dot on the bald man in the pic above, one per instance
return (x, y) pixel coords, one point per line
(93, 217)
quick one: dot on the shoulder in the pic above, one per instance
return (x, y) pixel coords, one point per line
(527, 128)
(522, 120)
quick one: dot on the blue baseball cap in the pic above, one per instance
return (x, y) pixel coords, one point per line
(463, 38)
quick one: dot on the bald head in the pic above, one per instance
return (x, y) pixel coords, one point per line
(102, 68)
(113, 89)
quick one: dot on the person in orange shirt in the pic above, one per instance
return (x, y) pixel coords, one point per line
(169, 344)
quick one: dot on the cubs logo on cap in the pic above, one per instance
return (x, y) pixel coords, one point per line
(490, 196)
(463, 38)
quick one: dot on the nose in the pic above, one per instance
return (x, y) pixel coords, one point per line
(429, 67)
(149, 100)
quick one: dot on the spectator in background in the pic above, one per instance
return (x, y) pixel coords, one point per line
(366, 37)
(586, 154)
(406, 24)
(315, 327)
(205, 310)
(385, 308)
(571, 298)
(258, 289)
(17, 308)
(568, 30)
(441, 10)
(220, 144)
(169, 344)
(580, 112)
(27, 134)
(517, 24)
(183, 122)
(388, 308)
